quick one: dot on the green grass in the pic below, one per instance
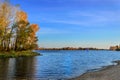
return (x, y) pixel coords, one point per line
(15, 54)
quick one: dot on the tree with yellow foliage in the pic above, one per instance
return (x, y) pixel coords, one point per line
(16, 33)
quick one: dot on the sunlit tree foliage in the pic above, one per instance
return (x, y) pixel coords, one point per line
(16, 32)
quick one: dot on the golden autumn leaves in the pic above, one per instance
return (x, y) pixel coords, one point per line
(16, 33)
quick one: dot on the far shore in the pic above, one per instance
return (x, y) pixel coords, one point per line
(106, 73)
(71, 48)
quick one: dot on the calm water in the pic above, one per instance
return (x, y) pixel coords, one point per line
(55, 65)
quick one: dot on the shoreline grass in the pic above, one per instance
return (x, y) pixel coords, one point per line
(15, 54)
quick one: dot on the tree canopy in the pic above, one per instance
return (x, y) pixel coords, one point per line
(16, 32)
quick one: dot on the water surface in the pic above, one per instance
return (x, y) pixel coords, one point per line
(55, 64)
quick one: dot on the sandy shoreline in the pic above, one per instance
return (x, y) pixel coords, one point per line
(106, 73)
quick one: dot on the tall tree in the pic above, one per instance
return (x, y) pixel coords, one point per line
(16, 33)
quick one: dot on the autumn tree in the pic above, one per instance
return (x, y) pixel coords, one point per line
(32, 39)
(16, 32)
(25, 32)
(5, 21)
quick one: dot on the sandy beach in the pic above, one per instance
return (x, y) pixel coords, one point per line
(106, 73)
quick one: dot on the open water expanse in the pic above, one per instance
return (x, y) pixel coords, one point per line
(55, 64)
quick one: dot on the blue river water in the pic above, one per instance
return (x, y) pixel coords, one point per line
(69, 64)
(56, 64)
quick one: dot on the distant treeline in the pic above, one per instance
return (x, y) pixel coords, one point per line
(16, 32)
(115, 48)
(69, 48)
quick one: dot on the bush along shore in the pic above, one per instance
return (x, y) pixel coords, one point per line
(15, 54)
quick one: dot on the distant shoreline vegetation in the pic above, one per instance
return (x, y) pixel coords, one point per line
(70, 48)
(17, 34)
(115, 48)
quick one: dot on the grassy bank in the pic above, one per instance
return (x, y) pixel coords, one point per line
(15, 54)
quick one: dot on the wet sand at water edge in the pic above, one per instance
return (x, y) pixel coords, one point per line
(106, 73)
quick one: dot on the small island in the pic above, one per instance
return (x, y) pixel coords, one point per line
(17, 35)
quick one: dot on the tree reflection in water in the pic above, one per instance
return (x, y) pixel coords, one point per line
(17, 68)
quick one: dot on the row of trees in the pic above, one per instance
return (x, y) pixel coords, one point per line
(16, 33)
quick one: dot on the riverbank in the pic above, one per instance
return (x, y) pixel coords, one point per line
(106, 73)
(14, 54)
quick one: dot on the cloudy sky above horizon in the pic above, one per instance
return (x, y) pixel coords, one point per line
(75, 23)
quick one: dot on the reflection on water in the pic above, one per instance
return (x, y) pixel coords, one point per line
(17, 68)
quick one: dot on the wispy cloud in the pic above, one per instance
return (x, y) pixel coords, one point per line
(88, 18)
(49, 30)
(74, 22)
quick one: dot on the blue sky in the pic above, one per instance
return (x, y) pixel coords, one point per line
(75, 23)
